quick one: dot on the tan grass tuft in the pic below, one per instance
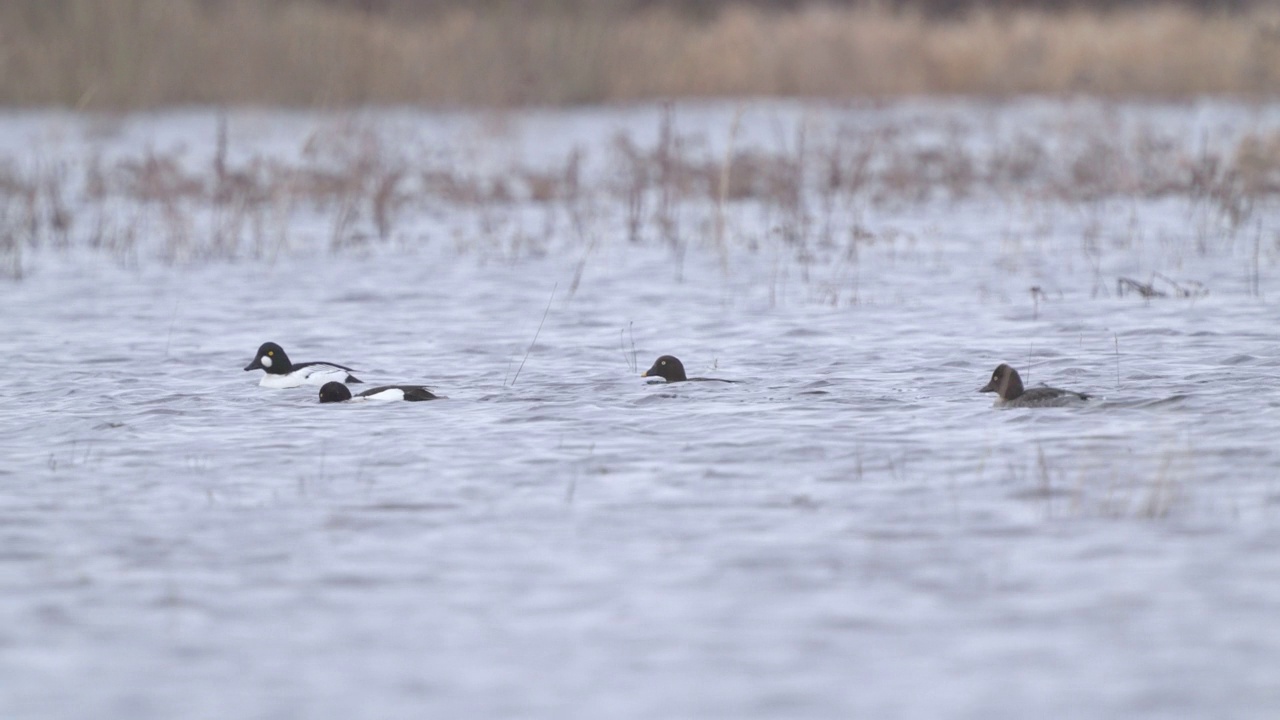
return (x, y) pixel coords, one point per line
(145, 53)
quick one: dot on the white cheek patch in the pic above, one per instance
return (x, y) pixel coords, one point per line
(266, 361)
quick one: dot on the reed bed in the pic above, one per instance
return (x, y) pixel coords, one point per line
(127, 54)
(351, 185)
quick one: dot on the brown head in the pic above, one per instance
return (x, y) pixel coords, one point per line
(1004, 382)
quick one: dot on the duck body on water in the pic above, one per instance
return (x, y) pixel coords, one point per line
(1007, 385)
(333, 392)
(669, 368)
(281, 373)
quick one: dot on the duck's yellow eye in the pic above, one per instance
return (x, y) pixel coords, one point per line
(664, 362)
(272, 353)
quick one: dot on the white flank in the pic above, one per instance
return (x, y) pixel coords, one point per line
(388, 394)
(320, 374)
(310, 375)
(281, 381)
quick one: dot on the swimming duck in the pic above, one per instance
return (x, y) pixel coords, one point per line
(1006, 384)
(337, 392)
(281, 373)
(669, 368)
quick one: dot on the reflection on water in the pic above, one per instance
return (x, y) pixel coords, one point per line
(852, 530)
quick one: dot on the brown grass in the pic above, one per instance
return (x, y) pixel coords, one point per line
(357, 187)
(146, 53)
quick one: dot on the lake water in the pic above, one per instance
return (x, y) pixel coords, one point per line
(851, 531)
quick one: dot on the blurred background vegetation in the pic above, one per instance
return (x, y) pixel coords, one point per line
(706, 8)
(123, 54)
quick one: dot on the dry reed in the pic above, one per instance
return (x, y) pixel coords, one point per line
(147, 53)
(808, 193)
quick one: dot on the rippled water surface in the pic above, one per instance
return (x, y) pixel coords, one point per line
(850, 531)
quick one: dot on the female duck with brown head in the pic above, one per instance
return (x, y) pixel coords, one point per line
(1006, 384)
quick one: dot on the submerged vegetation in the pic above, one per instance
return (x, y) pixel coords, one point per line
(124, 54)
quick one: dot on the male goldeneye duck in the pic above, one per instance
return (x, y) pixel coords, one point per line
(671, 369)
(337, 392)
(284, 374)
(1008, 386)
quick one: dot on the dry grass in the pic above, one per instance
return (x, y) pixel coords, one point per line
(808, 196)
(146, 53)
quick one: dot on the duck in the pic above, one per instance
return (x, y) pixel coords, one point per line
(1007, 385)
(332, 392)
(669, 368)
(281, 373)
